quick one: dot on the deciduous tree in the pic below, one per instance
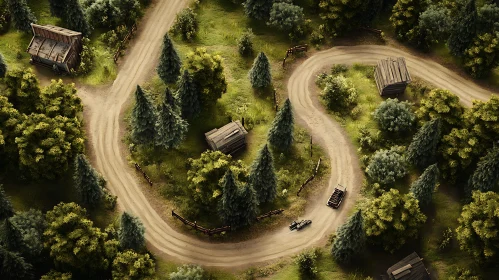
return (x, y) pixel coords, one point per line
(260, 75)
(262, 176)
(143, 119)
(23, 90)
(394, 116)
(188, 94)
(339, 94)
(486, 176)
(405, 16)
(342, 16)
(169, 62)
(21, 14)
(244, 44)
(258, 9)
(131, 232)
(386, 166)
(58, 7)
(130, 265)
(86, 181)
(350, 239)
(483, 55)
(129, 11)
(281, 131)
(458, 149)
(423, 149)
(424, 186)
(286, 16)
(444, 105)
(464, 29)
(60, 99)
(483, 120)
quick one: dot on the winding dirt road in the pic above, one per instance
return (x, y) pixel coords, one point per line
(103, 109)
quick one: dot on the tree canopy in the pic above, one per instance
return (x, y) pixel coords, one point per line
(441, 104)
(386, 166)
(186, 24)
(130, 265)
(86, 181)
(458, 149)
(423, 149)
(258, 9)
(75, 17)
(59, 99)
(170, 127)
(339, 94)
(262, 176)
(21, 14)
(394, 116)
(169, 62)
(464, 29)
(350, 239)
(424, 186)
(188, 94)
(143, 118)
(188, 272)
(405, 16)
(282, 127)
(260, 75)
(486, 176)
(31, 225)
(131, 232)
(6, 209)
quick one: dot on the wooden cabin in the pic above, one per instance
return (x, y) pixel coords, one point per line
(409, 268)
(52, 45)
(391, 76)
(228, 139)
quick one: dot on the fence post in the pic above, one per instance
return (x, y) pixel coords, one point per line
(310, 145)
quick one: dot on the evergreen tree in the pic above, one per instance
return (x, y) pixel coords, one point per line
(21, 14)
(342, 16)
(486, 176)
(14, 267)
(258, 9)
(6, 209)
(248, 205)
(86, 181)
(424, 186)
(188, 96)
(405, 16)
(423, 149)
(11, 236)
(281, 131)
(3, 67)
(169, 62)
(31, 224)
(262, 176)
(131, 233)
(260, 76)
(464, 30)
(244, 44)
(58, 7)
(75, 17)
(350, 239)
(143, 118)
(171, 100)
(170, 127)
(229, 208)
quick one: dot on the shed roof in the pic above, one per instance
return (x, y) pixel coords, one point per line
(38, 30)
(409, 268)
(393, 71)
(52, 42)
(227, 134)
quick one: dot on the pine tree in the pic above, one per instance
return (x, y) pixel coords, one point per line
(350, 239)
(188, 96)
(486, 176)
(86, 181)
(229, 208)
(423, 149)
(11, 236)
(260, 76)
(131, 233)
(143, 118)
(171, 100)
(21, 14)
(281, 131)
(14, 267)
(258, 9)
(262, 176)
(3, 67)
(170, 127)
(75, 17)
(464, 30)
(248, 205)
(169, 62)
(424, 186)
(6, 209)
(58, 7)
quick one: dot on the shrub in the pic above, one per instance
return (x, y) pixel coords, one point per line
(87, 57)
(191, 272)
(339, 94)
(394, 116)
(386, 166)
(367, 140)
(447, 236)
(307, 264)
(186, 24)
(337, 69)
(317, 38)
(244, 44)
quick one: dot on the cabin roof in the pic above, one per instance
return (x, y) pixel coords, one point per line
(409, 268)
(393, 71)
(38, 30)
(52, 42)
(232, 132)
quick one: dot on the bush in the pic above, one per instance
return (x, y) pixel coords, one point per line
(186, 24)
(337, 69)
(307, 264)
(339, 94)
(4, 17)
(87, 57)
(386, 166)
(287, 17)
(394, 116)
(244, 44)
(188, 272)
(368, 142)
(317, 38)
(447, 236)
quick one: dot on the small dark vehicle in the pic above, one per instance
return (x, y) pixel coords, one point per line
(303, 224)
(293, 225)
(336, 198)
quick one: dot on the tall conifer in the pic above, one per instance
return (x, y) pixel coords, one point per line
(11, 236)
(281, 130)
(169, 62)
(424, 186)
(21, 14)
(350, 239)
(260, 76)
(75, 17)
(14, 267)
(143, 118)
(6, 209)
(188, 96)
(248, 205)
(86, 181)
(170, 127)
(131, 233)
(423, 149)
(464, 29)
(262, 176)
(58, 7)
(486, 176)
(229, 208)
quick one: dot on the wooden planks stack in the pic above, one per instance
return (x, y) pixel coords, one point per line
(392, 76)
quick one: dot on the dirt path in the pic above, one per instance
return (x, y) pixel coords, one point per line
(102, 111)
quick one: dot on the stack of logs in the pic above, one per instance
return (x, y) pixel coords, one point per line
(293, 50)
(137, 166)
(201, 229)
(310, 178)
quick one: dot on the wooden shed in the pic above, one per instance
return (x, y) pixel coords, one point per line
(228, 139)
(392, 76)
(409, 268)
(52, 45)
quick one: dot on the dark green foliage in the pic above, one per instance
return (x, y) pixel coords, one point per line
(307, 264)
(3, 66)
(58, 7)
(21, 14)
(441, 104)
(286, 16)
(258, 9)
(350, 239)
(262, 176)
(488, 18)
(186, 24)
(170, 127)
(131, 233)
(56, 275)
(248, 205)
(143, 118)
(208, 74)
(171, 100)
(229, 208)
(436, 21)
(128, 11)
(373, 9)
(86, 181)
(405, 16)
(87, 57)
(424, 186)
(464, 29)
(486, 176)
(31, 225)
(342, 16)
(339, 94)
(6, 209)
(483, 55)
(423, 149)
(394, 116)
(101, 13)
(4, 17)
(14, 267)
(23, 90)
(260, 75)
(188, 272)
(386, 166)
(11, 236)
(188, 96)
(169, 62)
(75, 17)
(281, 131)
(244, 44)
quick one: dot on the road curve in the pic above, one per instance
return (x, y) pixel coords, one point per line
(102, 110)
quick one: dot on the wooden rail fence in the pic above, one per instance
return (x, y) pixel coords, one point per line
(310, 178)
(201, 229)
(137, 166)
(123, 43)
(293, 50)
(270, 214)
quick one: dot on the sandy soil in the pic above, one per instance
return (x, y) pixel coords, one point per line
(102, 112)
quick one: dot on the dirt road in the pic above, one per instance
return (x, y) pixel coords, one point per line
(102, 109)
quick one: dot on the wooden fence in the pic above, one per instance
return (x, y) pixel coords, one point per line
(123, 43)
(137, 166)
(293, 50)
(201, 229)
(310, 178)
(270, 214)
